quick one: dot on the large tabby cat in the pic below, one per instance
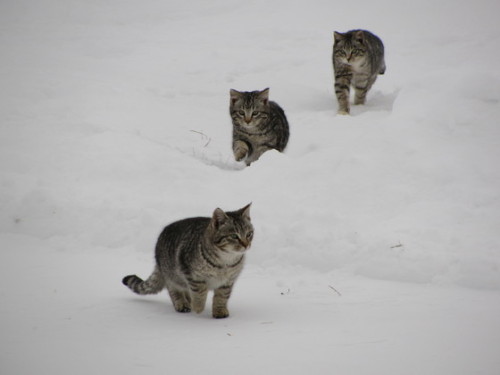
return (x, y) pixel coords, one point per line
(259, 125)
(358, 57)
(196, 255)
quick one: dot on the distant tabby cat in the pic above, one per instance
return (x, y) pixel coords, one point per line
(196, 255)
(358, 57)
(259, 125)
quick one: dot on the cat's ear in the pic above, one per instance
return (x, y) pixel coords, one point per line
(337, 36)
(235, 95)
(360, 36)
(264, 96)
(218, 218)
(245, 211)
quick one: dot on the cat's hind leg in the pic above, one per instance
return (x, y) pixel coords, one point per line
(180, 299)
(362, 85)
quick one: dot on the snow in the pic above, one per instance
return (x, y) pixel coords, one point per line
(376, 247)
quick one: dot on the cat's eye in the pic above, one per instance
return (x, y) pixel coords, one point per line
(234, 237)
(249, 234)
(241, 113)
(255, 114)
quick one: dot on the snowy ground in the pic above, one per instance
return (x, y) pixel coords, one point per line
(377, 247)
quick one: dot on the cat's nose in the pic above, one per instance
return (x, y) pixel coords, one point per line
(248, 120)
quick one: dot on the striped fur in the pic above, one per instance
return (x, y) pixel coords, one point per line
(259, 125)
(358, 57)
(196, 255)
(153, 285)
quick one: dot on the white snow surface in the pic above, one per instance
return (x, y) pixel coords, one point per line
(377, 246)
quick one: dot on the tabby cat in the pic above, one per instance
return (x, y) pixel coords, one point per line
(196, 255)
(358, 57)
(259, 125)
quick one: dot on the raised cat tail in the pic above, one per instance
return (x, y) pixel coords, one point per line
(154, 284)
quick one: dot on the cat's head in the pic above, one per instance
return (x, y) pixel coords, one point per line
(249, 108)
(350, 48)
(232, 231)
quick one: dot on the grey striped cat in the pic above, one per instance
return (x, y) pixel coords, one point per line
(196, 255)
(358, 57)
(259, 125)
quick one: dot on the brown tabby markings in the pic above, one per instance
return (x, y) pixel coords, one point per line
(259, 125)
(196, 255)
(358, 57)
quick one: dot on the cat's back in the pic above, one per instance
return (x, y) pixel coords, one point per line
(279, 123)
(372, 38)
(184, 233)
(375, 47)
(277, 110)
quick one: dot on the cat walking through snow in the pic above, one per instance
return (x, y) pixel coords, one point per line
(259, 125)
(358, 58)
(196, 255)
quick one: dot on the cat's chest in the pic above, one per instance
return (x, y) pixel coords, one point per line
(216, 281)
(255, 134)
(217, 277)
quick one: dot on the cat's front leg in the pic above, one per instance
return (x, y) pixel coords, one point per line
(251, 158)
(342, 90)
(219, 306)
(199, 291)
(240, 150)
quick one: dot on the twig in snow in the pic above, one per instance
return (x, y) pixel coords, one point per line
(203, 136)
(283, 293)
(335, 290)
(398, 245)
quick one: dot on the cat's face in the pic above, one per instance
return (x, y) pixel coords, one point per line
(350, 48)
(233, 230)
(249, 109)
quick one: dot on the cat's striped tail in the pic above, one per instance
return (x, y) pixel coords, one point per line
(154, 284)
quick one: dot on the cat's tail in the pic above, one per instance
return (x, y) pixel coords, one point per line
(382, 68)
(154, 284)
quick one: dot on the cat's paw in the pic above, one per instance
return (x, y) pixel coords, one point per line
(220, 313)
(343, 113)
(240, 150)
(182, 308)
(198, 308)
(240, 155)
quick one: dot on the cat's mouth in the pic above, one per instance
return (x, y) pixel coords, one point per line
(247, 125)
(243, 249)
(236, 249)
